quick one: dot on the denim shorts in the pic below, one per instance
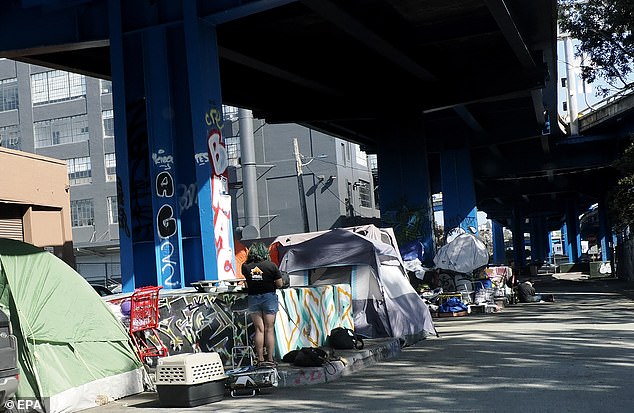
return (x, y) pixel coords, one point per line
(265, 303)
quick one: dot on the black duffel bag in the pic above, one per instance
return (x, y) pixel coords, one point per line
(311, 357)
(344, 339)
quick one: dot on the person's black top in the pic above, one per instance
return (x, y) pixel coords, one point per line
(261, 276)
(525, 290)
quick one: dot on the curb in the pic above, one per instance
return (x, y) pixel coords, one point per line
(350, 361)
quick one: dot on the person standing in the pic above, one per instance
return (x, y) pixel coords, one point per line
(262, 277)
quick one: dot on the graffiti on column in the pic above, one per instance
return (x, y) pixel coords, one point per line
(166, 225)
(408, 224)
(140, 183)
(121, 215)
(458, 225)
(220, 199)
(187, 196)
(205, 322)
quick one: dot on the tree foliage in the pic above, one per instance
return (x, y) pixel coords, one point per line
(605, 31)
(621, 197)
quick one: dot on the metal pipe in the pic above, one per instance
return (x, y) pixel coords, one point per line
(249, 169)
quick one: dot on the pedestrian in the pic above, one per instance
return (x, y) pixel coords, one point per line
(527, 294)
(262, 277)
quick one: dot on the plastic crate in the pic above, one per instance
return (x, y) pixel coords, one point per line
(189, 369)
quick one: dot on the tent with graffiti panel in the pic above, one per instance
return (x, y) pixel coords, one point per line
(384, 303)
(73, 352)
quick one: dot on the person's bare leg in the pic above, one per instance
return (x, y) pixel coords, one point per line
(269, 335)
(258, 324)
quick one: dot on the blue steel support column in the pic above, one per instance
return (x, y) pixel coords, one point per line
(165, 205)
(551, 255)
(134, 200)
(534, 239)
(538, 239)
(405, 195)
(499, 253)
(605, 233)
(214, 203)
(458, 193)
(518, 239)
(574, 236)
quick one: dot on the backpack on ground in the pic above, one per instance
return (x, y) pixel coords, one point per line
(311, 357)
(344, 339)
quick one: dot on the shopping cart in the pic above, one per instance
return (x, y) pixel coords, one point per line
(144, 322)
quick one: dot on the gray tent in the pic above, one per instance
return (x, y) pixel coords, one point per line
(383, 301)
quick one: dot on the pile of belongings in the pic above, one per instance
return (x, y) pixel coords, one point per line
(452, 305)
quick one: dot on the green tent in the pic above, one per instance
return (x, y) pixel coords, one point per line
(73, 352)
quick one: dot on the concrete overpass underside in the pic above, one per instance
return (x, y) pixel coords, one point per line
(431, 76)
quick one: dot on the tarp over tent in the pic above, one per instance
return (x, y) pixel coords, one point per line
(464, 254)
(383, 301)
(73, 351)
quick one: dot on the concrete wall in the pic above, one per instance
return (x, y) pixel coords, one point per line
(194, 322)
(40, 186)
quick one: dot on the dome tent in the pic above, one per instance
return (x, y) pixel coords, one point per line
(73, 353)
(384, 303)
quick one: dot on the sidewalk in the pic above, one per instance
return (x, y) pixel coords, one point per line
(374, 351)
(575, 353)
(351, 360)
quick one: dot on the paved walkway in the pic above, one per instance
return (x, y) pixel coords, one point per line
(574, 355)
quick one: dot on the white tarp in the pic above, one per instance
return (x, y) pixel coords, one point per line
(464, 254)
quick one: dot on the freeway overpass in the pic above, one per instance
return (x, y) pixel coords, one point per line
(457, 96)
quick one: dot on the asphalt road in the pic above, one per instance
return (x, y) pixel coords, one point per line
(573, 355)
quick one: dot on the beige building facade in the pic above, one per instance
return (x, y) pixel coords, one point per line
(35, 202)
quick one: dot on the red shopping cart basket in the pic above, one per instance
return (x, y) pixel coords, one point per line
(144, 322)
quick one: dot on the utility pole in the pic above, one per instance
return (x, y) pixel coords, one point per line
(571, 85)
(300, 184)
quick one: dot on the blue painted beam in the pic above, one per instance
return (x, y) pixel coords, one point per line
(499, 252)
(214, 205)
(123, 175)
(242, 9)
(574, 234)
(163, 174)
(518, 239)
(49, 31)
(551, 254)
(458, 192)
(605, 232)
(405, 195)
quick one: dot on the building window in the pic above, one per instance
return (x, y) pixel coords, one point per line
(60, 131)
(8, 94)
(364, 193)
(113, 210)
(233, 150)
(110, 163)
(79, 170)
(106, 87)
(56, 86)
(107, 116)
(10, 137)
(362, 158)
(82, 213)
(229, 112)
(374, 164)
